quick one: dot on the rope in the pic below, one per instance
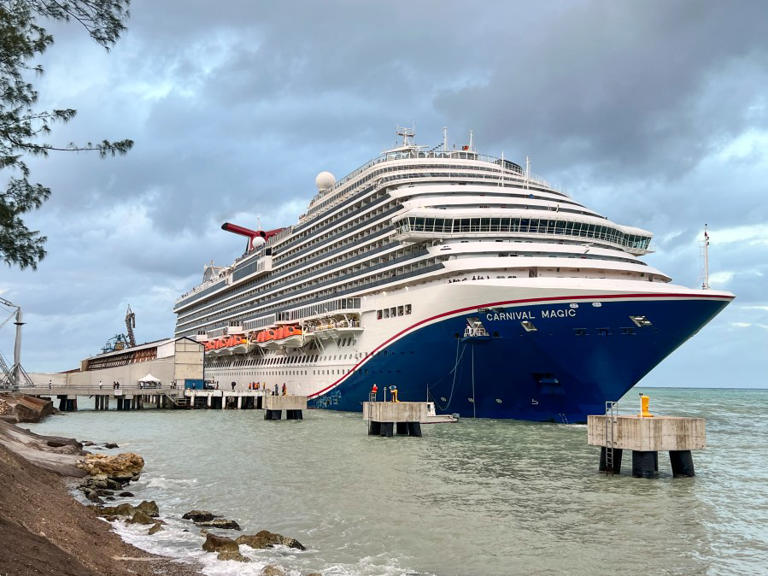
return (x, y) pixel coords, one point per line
(453, 383)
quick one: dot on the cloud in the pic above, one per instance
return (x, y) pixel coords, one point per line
(652, 113)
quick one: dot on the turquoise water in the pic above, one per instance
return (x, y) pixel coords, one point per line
(478, 497)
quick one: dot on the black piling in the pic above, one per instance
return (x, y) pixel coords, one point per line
(414, 429)
(682, 463)
(645, 464)
(617, 454)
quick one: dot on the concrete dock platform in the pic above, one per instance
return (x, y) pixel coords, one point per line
(292, 405)
(388, 418)
(646, 436)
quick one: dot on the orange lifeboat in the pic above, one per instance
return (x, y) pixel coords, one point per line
(261, 336)
(280, 333)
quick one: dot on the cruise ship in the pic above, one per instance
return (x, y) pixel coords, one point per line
(458, 278)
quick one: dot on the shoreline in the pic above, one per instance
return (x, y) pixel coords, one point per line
(45, 530)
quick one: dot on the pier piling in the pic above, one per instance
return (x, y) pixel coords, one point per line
(395, 418)
(646, 436)
(293, 406)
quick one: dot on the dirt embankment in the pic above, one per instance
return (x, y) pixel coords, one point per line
(44, 531)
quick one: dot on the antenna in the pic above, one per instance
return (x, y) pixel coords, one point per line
(407, 134)
(445, 139)
(705, 250)
(527, 171)
(471, 145)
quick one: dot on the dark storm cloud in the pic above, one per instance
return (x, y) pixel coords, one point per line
(630, 87)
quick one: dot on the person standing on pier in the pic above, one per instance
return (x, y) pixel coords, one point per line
(284, 389)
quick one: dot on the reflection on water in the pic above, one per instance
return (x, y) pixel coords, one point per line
(478, 497)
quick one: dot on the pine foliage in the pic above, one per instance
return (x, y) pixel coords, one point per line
(23, 127)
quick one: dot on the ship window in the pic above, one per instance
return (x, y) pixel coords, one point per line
(603, 331)
(528, 326)
(407, 308)
(393, 312)
(399, 310)
(629, 331)
(580, 332)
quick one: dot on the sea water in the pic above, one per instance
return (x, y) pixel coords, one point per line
(479, 497)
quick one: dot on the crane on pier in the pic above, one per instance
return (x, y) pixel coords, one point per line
(122, 341)
(130, 324)
(14, 376)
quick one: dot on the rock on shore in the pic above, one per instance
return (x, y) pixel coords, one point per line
(23, 408)
(45, 531)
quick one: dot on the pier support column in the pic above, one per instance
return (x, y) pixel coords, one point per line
(239, 402)
(644, 464)
(106, 402)
(414, 429)
(682, 463)
(374, 428)
(617, 454)
(387, 429)
(210, 401)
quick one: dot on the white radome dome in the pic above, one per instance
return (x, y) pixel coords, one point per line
(325, 181)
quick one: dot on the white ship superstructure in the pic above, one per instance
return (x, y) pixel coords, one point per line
(455, 276)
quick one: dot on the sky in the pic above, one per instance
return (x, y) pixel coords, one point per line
(653, 113)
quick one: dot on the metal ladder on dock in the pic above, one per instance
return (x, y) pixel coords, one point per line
(611, 411)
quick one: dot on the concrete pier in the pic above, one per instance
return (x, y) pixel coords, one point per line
(293, 406)
(390, 418)
(135, 397)
(646, 436)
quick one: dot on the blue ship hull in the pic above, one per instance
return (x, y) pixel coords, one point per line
(577, 358)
